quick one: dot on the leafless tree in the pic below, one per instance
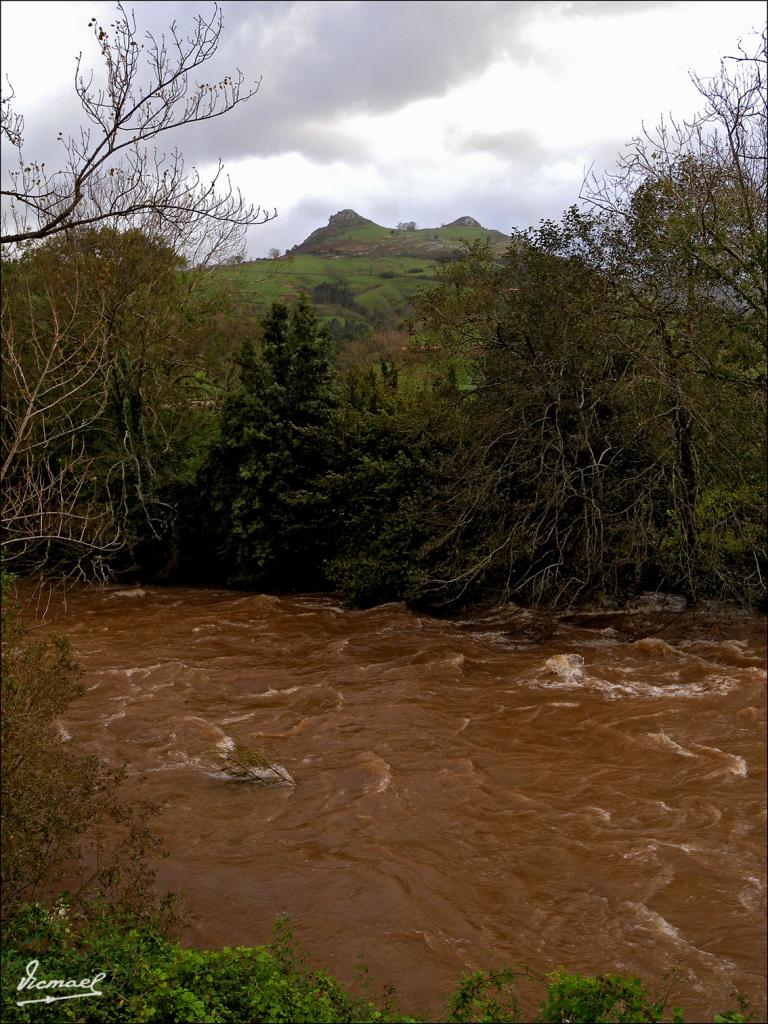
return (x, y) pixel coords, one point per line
(60, 358)
(711, 171)
(54, 388)
(684, 228)
(112, 171)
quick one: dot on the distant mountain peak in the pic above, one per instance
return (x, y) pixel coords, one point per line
(464, 222)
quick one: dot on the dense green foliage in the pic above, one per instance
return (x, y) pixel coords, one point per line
(555, 432)
(150, 978)
(577, 416)
(261, 477)
(594, 446)
(611, 451)
(114, 363)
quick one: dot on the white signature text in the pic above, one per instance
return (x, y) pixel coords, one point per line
(31, 982)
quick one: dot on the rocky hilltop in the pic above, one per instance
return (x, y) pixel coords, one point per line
(322, 240)
(349, 234)
(464, 222)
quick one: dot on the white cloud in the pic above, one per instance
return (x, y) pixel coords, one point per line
(39, 44)
(419, 111)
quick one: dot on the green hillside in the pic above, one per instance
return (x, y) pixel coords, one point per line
(359, 276)
(349, 234)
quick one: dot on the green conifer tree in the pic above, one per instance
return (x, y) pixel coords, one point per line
(263, 475)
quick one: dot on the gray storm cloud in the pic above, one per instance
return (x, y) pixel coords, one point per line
(317, 62)
(321, 61)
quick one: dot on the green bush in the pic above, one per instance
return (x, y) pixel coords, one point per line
(150, 978)
(601, 1000)
(491, 996)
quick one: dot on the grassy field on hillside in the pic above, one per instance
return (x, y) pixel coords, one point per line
(358, 275)
(452, 235)
(381, 286)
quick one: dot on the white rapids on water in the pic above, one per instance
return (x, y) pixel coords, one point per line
(595, 801)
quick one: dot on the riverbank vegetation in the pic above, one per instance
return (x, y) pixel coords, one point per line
(150, 978)
(578, 418)
(64, 816)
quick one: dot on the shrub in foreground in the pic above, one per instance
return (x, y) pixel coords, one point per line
(149, 978)
(62, 809)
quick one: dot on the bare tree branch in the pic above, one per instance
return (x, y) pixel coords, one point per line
(112, 172)
(54, 388)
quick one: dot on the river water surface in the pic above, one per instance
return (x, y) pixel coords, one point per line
(596, 800)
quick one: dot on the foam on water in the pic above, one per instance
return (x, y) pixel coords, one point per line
(734, 763)
(113, 718)
(569, 667)
(380, 769)
(572, 677)
(752, 896)
(666, 930)
(661, 740)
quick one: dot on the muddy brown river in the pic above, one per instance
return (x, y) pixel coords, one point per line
(445, 789)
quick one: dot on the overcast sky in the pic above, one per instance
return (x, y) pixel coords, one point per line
(415, 110)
